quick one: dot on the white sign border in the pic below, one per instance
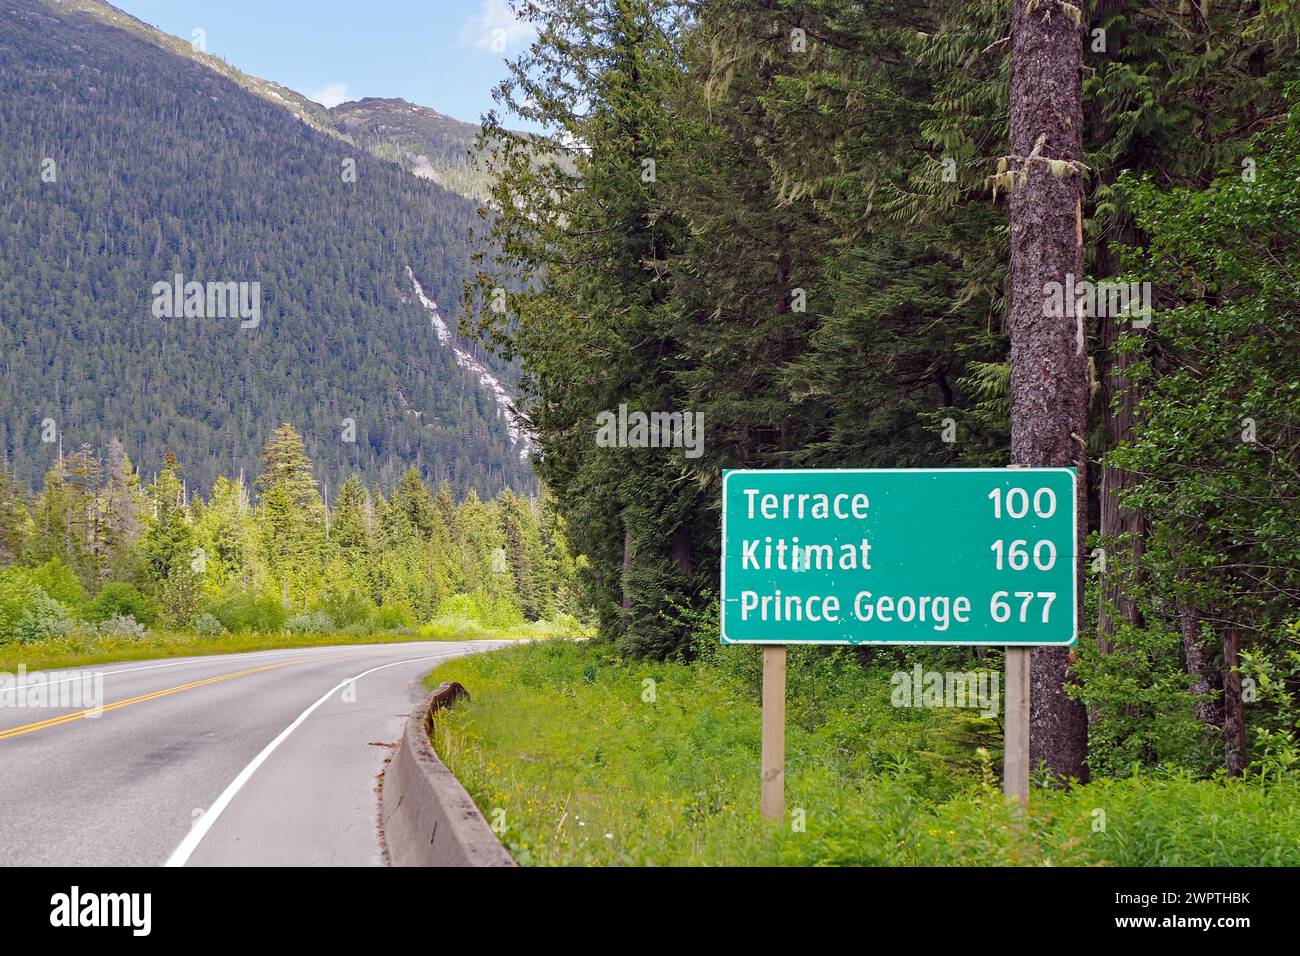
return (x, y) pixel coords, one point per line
(1017, 471)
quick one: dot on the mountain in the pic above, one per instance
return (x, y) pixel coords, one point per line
(308, 111)
(420, 139)
(125, 164)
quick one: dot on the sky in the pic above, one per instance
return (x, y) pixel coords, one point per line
(446, 54)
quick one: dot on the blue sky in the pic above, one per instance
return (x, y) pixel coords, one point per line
(447, 54)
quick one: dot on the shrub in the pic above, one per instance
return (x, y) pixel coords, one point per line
(310, 622)
(492, 611)
(390, 617)
(121, 625)
(453, 627)
(61, 583)
(562, 625)
(249, 612)
(118, 599)
(44, 620)
(17, 592)
(83, 639)
(178, 596)
(1142, 706)
(205, 625)
(345, 608)
(462, 627)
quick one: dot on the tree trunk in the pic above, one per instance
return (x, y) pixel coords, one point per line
(1049, 380)
(1123, 532)
(682, 551)
(1199, 660)
(627, 568)
(1234, 717)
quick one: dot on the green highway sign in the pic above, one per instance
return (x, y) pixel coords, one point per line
(900, 556)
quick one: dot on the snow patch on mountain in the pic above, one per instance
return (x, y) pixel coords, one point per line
(505, 405)
(435, 316)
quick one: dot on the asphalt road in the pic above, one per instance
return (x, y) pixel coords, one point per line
(260, 759)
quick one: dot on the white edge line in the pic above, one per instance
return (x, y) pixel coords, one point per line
(88, 670)
(181, 855)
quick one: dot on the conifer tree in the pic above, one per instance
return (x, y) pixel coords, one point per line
(1049, 356)
(598, 223)
(350, 521)
(290, 513)
(122, 507)
(66, 517)
(225, 528)
(15, 518)
(172, 565)
(518, 553)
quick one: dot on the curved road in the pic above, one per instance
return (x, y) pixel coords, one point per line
(267, 758)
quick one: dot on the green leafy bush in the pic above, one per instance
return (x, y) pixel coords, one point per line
(1142, 707)
(45, 619)
(17, 592)
(1271, 688)
(61, 583)
(121, 626)
(310, 622)
(492, 611)
(250, 612)
(562, 625)
(391, 616)
(453, 627)
(344, 607)
(205, 625)
(117, 598)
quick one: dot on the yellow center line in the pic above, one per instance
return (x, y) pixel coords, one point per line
(66, 718)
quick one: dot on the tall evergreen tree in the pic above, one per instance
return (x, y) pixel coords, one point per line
(66, 516)
(172, 563)
(225, 528)
(598, 333)
(1049, 356)
(291, 513)
(350, 520)
(122, 507)
(15, 518)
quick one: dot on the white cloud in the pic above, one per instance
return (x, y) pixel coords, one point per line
(495, 29)
(331, 95)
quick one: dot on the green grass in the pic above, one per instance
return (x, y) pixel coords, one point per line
(558, 736)
(80, 650)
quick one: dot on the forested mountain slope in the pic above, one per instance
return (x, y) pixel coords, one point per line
(420, 139)
(122, 166)
(194, 49)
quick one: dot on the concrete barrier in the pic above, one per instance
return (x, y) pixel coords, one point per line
(428, 818)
